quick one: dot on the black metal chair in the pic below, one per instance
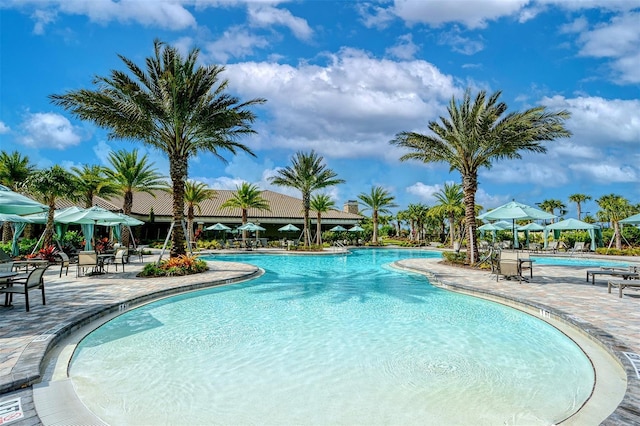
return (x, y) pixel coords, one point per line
(23, 285)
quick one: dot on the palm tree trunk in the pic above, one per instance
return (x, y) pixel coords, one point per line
(48, 230)
(6, 232)
(617, 234)
(178, 174)
(452, 229)
(375, 227)
(244, 220)
(469, 187)
(190, 216)
(126, 209)
(319, 230)
(306, 200)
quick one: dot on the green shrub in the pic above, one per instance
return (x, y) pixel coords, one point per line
(175, 266)
(453, 257)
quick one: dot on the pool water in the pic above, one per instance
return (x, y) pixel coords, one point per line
(578, 262)
(339, 339)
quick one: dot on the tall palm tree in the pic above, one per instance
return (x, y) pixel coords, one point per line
(14, 169)
(93, 181)
(477, 133)
(450, 205)
(247, 196)
(579, 199)
(417, 215)
(613, 209)
(194, 194)
(552, 205)
(130, 173)
(175, 106)
(321, 203)
(49, 185)
(307, 173)
(379, 200)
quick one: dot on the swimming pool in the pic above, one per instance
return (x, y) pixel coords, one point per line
(577, 261)
(329, 340)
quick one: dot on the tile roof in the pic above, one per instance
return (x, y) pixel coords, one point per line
(283, 208)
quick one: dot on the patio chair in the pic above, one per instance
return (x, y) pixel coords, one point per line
(86, 259)
(4, 257)
(579, 247)
(119, 258)
(23, 285)
(509, 269)
(552, 247)
(63, 260)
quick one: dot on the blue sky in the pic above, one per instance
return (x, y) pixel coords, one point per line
(343, 77)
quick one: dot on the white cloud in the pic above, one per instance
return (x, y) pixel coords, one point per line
(578, 25)
(49, 130)
(4, 128)
(460, 44)
(374, 16)
(598, 122)
(352, 106)
(539, 170)
(405, 48)
(425, 193)
(472, 14)
(267, 16)
(489, 202)
(613, 172)
(235, 42)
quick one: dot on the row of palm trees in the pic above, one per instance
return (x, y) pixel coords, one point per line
(183, 110)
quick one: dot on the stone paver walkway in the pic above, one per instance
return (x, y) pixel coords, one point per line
(73, 302)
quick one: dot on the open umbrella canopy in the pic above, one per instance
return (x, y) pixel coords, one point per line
(632, 220)
(289, 228)
(571, 224)
(531, 227)
(123, 220)
(42, 217)
(94, 215)
(338, 228)
(14, 203)
(249, 226)
(355, 228)
(218, 227)
(495, 226)
(514, 211)
(14, 218)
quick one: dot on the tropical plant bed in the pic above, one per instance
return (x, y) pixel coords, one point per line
(174, 267)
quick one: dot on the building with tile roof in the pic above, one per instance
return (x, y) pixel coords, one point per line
(156, 211)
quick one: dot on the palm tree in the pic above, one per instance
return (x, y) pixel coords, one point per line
(417, 215)
(175, 106)
(613, 209)
(194, 194)
(579, 199)
(379, 200)
(247, 196)
(477, 133)
(450, 205)
(132, 174)
(551, 205)
(14, 169)
(93, 181)
(321, 203)
(307, 173)
(49, 185)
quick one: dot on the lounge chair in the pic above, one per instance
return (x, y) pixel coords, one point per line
(23, 285)
(552, 247)
(534, 247)
(579, 247)
(631, 272)
(623, 284)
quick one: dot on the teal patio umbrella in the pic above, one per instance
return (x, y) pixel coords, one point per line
(218, 227)
(89, 218)
(14, 203)
(515, 211)
(500, 225)
(338, 228)
(573, 224)
(252, 227)
(632, 220)
(530, 227)
(18, 224)
(289, 228)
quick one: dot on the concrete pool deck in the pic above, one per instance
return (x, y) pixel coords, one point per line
(74, 302)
